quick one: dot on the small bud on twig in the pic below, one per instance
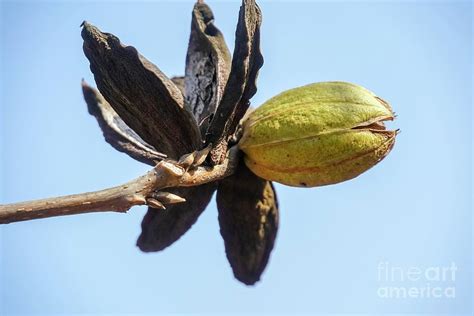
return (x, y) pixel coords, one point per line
(155, 204)
(172, 168)
(167, 198)
(201, 155)
(186, 160)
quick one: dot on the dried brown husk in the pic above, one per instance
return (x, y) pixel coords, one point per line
(248, 219)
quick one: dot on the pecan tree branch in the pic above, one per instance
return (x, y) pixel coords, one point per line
(120, 198)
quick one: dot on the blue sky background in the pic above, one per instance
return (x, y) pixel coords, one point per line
(411, 210)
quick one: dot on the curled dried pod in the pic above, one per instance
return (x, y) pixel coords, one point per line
(319, 134)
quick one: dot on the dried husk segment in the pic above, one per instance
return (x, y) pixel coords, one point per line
(248, 220)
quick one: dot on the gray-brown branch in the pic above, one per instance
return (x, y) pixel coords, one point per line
(120, 198)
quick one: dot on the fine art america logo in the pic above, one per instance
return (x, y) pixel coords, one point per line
(406, 282)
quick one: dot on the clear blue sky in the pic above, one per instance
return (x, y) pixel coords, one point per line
(411, 210)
